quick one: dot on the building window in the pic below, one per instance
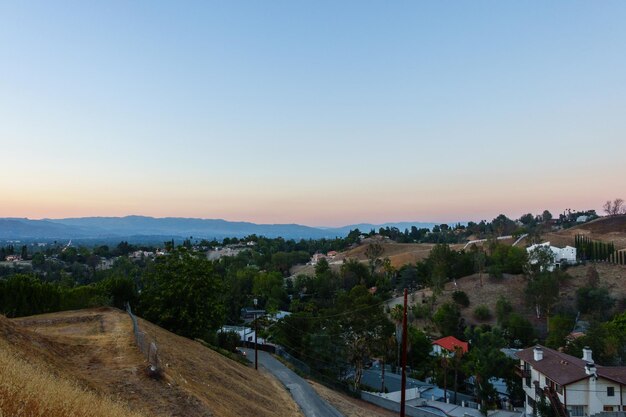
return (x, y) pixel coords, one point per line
(528, 373)
(608, 408)
(577, 410)
(610, 391)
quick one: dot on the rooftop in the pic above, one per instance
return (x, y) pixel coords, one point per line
(565, 369)
(450, 342)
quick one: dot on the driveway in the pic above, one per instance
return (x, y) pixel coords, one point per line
(310, 403)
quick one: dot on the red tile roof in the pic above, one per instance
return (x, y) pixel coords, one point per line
(450, 342)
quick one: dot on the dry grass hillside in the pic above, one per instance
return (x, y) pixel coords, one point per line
(398, 253)
(95, 349)
(511, 287)
(606, 229)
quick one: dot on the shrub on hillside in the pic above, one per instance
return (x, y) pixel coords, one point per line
(482, 313)
(228, 340)
(503, 309)
(461, 298)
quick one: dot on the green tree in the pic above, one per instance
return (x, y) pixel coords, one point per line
(353, 273)
(460, 298)
(594, 301)
(364, 327)
(485, 361)
(269, 286)
(183, 294)
(542, 292)
(503, 309)
(373, 253)
(518, 331)
(120, 290)
(560, 327)
(447, 318)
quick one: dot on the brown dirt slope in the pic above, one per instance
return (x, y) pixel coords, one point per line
(31, 387)
(398, 253)
(606, 229)
(488, 290)
(348, 406)
(96, 348)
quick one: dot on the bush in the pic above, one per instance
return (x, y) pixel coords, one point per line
(503, 309)
(228, 340)
(421, 311)
(482, 313)
(461, 298)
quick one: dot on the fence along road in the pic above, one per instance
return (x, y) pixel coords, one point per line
(310, 403)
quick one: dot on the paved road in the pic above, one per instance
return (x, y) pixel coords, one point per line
(310, 403)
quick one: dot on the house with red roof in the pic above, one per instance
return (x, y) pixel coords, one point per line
(448, 345)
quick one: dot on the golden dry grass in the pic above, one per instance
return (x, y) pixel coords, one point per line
(605, 229)
(96, 349)
(29, 390)
(348, 406)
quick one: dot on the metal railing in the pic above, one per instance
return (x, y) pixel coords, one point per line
(147, 345)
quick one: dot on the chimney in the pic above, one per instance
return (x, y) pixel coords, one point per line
(587, 355)
(537, 353)
(590, 369)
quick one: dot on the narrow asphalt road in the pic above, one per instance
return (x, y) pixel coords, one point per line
(310, 403)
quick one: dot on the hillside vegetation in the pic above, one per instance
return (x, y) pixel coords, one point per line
(94, 351)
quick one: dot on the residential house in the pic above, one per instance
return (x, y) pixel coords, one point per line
(250, 314)
(566, 255)
(571, 386)
(317, 257)
(446, 346)
(246, 334)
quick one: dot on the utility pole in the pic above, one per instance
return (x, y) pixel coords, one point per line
(256, 349)
(382, 378)
(404, 337)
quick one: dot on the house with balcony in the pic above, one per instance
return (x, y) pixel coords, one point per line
(571, 386)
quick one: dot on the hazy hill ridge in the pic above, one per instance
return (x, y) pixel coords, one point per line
(135, 226)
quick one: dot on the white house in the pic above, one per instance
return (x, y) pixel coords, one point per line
(566, 255)
(246, 334)
(572, 386)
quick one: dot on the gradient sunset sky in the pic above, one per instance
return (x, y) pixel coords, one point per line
(314, 112)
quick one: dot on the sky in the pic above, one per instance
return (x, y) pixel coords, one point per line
(322, 113)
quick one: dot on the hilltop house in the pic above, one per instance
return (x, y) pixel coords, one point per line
(566, 255)
(571, 386)
(448, 345)
(317, 257)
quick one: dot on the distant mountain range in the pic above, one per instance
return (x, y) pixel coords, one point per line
(141, 228)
